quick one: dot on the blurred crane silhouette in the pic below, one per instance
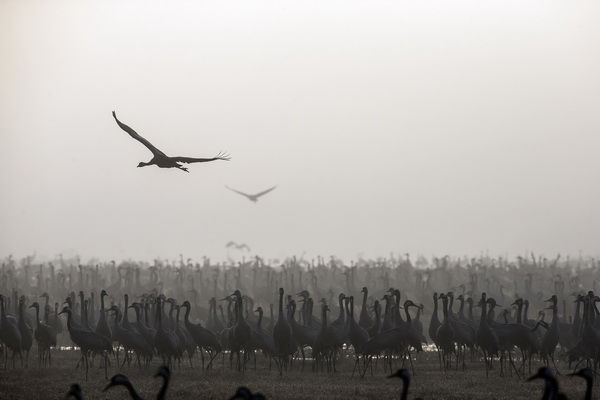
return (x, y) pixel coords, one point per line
(241, 246)
(405, 376)
(252, 197)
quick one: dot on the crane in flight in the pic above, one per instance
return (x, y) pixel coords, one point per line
(162, 160)
(242, 246)
(252, 197)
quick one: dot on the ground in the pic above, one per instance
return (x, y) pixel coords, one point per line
(428, 381)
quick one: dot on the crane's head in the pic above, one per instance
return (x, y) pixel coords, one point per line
(117, 380)
(163, 371)
(402, 374)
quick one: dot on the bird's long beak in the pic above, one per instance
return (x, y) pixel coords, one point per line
(107, 387)
(536, 376)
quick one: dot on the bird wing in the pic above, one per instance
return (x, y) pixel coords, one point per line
(264, 192)
(139, 138)
(188, 160)
(238, 192)
(231, 243)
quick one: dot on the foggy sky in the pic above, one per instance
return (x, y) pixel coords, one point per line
(424, 127)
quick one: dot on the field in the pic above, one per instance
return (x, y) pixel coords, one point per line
(221, 383)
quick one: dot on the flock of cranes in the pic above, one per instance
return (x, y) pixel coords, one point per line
(223, 314)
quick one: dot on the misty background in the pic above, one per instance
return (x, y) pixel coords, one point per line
(432, 127)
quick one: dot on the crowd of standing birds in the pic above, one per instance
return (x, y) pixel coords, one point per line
(127, 315)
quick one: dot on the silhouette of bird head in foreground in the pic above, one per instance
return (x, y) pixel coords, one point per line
(163, 371)
(550, 384)
(245, 394)
(405, 376)
(75, 391)
(402, 374)
(116, 380)
(584, 373)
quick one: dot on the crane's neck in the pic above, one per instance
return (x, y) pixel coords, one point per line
(483, 310)
(404, 394)
(281, 314)
(163, 390)
(186, 318)
(260, 317)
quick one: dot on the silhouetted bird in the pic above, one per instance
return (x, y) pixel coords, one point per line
(588, 375)
(122, 380)
(405, 376)
(245, 394)
(237, 246)
(75, 391)
(160, 159)
(252, 197)
(550, 384)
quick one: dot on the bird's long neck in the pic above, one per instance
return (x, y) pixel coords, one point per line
(341, 304)
(163, 390)
(483, 310)
(461, 307)
(37, 316)
(69, 317)
(281, 314)
(260, 317)
(525, 310)
(177, 317)
(589, 384)
(445, 303)
(324, 318)
(435, 308)
(404, 394)
(408, 319)
(102, 311)
(134, 394)
(116, 322)
(186, 317)
(519, 310)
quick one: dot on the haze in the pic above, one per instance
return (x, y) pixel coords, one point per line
(431, 127)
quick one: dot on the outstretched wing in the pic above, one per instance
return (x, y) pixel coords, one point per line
(264, 192)
(238, 192)
(188, 160)
(137, 137)
(244, 246)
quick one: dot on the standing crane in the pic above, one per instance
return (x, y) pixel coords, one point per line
(25, 330)
(552, 335)
(283, 337)
(204, 338)
(9, 335)
(88, 342)
(45, 337)
(365, 320)
(486, 337)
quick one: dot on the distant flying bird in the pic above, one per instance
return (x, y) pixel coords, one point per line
(237, 246)
(162, 160)
(252, 197)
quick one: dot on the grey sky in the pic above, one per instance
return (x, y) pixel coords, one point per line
(424, 127)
